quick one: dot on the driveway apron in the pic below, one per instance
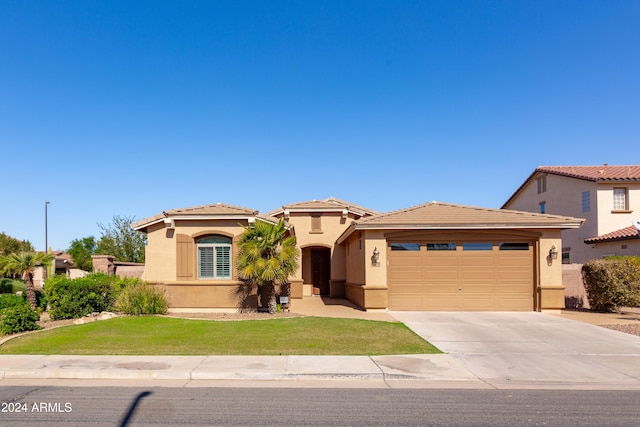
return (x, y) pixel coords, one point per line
(520, 349)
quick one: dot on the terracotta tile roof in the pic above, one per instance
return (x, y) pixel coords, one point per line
(445, 215)
(603, 173)
(330, 203)
(626, 233)
(595, 173)
(216, 209)
(212, 209)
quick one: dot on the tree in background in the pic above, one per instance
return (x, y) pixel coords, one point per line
(24, 264)
(9, 245)
(122, 241)
(267, 256)
(81, 251)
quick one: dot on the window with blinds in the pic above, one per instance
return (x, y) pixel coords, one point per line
(214, 257)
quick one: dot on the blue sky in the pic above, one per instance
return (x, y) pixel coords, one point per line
(133, 107)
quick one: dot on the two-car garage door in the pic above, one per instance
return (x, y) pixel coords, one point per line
(463, 274)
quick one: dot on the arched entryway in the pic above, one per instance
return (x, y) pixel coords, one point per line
(316, 269)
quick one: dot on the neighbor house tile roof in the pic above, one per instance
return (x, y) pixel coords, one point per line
(626, 233)
(330, 203)
(595, 173)
(603, 173)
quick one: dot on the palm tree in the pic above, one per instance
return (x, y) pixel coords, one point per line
(267, 256)
(24, 264)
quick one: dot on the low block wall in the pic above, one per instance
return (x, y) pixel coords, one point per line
(575, 296)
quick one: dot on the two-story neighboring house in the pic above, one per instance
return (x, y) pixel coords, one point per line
(607, 197)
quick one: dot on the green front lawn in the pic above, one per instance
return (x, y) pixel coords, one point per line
(156, 335)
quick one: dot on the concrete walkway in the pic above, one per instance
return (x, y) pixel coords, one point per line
(484, 350)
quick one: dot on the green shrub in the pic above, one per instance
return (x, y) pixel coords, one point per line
(612, 283)
(11, 286)
(72, 298)
(6, 286)
(17, 319)
(139, 297)
(11, 300)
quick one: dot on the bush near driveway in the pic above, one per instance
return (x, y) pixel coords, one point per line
(612, 283)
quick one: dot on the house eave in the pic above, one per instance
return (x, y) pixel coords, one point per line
(487, 226)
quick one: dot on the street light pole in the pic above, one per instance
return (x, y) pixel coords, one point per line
(46, 230)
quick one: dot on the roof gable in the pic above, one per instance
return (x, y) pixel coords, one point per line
(325, 205)
(603, 173)
(216, 210)
(445, 215)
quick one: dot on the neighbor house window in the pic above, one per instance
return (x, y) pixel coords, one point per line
(543, 207)
(586, 201)
(214, 257)
(542, 184)
(620, 199)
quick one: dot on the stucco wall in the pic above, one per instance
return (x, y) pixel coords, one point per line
(610, 220)
(564, 197)
(332, 226)
(161, 246)
(355, 259)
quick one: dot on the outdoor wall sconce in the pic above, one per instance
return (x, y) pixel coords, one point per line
(553, 253)
(375, 256)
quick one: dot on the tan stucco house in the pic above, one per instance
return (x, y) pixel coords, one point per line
(434, 256)
(608, 197)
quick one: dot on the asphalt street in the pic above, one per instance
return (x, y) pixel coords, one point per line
(116, 406)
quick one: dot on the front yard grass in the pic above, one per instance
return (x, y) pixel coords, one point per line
(155, 335)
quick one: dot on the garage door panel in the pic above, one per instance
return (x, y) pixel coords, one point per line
(441, 261)
(461, 280)
(408, 274)
(444, 302)
(407, 302)
(477, 274)
(478, 302)
(440, 288)
(473, 260)
(409, 288)
(514, 303)
(479, 288)
(435, 275)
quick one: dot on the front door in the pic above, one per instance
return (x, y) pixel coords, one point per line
(321, 270)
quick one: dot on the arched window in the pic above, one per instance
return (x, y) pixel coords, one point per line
(214, 257)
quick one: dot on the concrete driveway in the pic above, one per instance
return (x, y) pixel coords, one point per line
(529, 349)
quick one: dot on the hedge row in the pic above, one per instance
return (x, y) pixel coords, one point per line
(72, 298)
(612, 283)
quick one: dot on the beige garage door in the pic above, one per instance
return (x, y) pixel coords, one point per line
(461, 275)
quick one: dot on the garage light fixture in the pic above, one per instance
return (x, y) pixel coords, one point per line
(375, 256)
(553, 252)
